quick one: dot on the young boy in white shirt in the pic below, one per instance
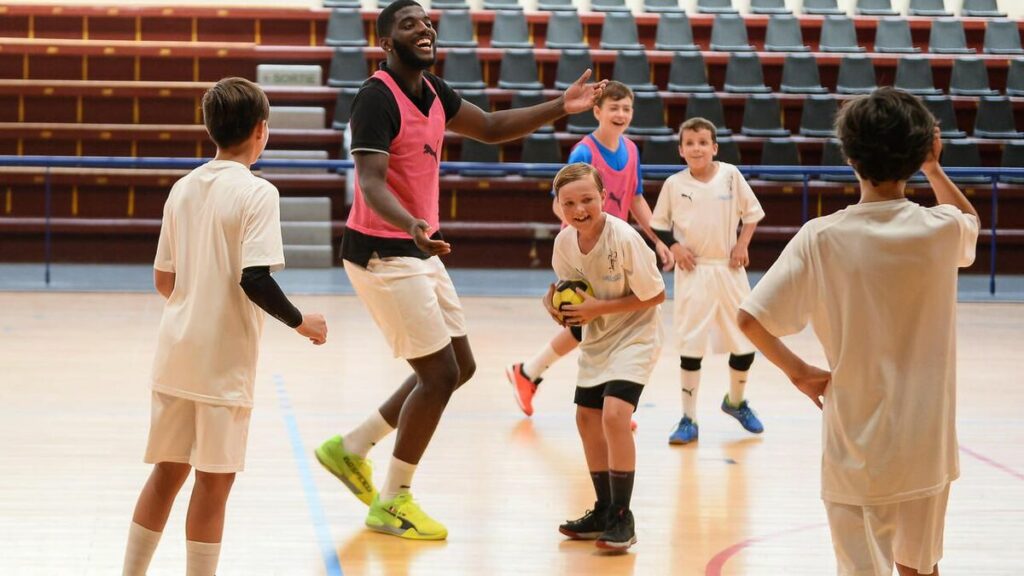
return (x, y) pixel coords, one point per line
(877, 281)
(697, 214)
(617, 160)
(622, 340)
(219, 241)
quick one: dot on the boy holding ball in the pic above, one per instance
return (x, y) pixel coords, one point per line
(623, 340)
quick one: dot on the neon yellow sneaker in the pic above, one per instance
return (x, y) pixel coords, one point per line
(355, 472)
(403, 517)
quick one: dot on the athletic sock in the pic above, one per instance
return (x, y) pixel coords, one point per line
(602, 487)
(363, 437)
(690, 380)
(737, 385)
(622, 487)
(201, 558)
(398, 480)
(138, 553)
(535, 367)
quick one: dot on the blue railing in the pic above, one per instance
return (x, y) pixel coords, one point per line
(799, 173)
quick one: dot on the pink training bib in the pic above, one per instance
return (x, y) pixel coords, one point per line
(414, 166)
(620, 185)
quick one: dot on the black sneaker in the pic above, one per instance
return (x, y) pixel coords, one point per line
(621, 532)
(589, 527)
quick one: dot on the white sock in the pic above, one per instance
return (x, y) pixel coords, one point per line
(398, 480)
(690, 381)
(141, 545)
(363, 437)
(201, 558)
(737, 384)
(536, 366)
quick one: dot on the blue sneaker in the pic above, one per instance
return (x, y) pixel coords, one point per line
(685, 433)
(744, 414)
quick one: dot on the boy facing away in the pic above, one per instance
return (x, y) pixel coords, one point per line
(617, 160)
(697, 214)
(877, 281)
(219, 241)
(623, 340)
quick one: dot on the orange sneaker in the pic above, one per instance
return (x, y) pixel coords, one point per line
(522, 387)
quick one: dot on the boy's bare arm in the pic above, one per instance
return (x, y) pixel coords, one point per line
(946, 192)
(740, 256)
(372, 169)
(505, 125)
(810, 380)
(593, 307)
(163, 282)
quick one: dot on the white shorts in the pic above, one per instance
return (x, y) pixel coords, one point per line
(210, 437)
(707, 299)
(413, 301)
(869, 539)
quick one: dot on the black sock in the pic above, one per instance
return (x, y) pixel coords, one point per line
(622, 487)
(603, 488)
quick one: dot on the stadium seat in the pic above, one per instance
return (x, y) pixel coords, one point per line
(838, 35)
(818, 116)
(633, 70)
(800, 75)
(762, 116)
(687, 73)
(729, 34)
(783, 34)
(743, 73)
(674, 33)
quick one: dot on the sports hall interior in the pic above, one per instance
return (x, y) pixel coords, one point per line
(78, 315)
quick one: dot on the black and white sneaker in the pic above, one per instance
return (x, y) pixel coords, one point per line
(588, 527)
(621, 531)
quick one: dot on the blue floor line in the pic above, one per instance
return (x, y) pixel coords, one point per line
(316, 509)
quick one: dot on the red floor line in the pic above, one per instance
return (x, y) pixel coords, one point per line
(715, 565)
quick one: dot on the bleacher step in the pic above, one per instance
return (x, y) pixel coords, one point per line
(306, 233)
(302, 256)
(305, 209)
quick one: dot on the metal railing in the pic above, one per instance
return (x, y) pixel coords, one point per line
(800, 174)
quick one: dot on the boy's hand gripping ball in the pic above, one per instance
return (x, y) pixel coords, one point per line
(565, 293)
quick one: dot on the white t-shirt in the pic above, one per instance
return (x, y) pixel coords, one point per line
(218, 219)
(704, 216)
(622, 346)
(878, 282)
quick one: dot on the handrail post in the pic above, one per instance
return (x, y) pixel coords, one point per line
(46, 227)
(992, 240)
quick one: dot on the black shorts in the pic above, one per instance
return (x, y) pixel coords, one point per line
(622, 389)
(577, 332)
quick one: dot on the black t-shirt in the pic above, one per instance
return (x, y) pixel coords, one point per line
(375, 122)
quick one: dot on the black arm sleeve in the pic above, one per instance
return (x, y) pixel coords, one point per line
(665, 236)
(264, 292)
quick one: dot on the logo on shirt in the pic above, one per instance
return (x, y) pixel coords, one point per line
(687, 196)
(428, 150)
(613, 258)
(617, 199)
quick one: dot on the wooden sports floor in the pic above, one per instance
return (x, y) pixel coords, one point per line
(74, 413)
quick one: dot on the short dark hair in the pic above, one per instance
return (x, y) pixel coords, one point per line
(614, 90)
(697, 123)
(386, 18)
(886, 135)
(232, 109)
(574, 172)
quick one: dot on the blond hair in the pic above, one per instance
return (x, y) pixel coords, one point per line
(574, 172)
